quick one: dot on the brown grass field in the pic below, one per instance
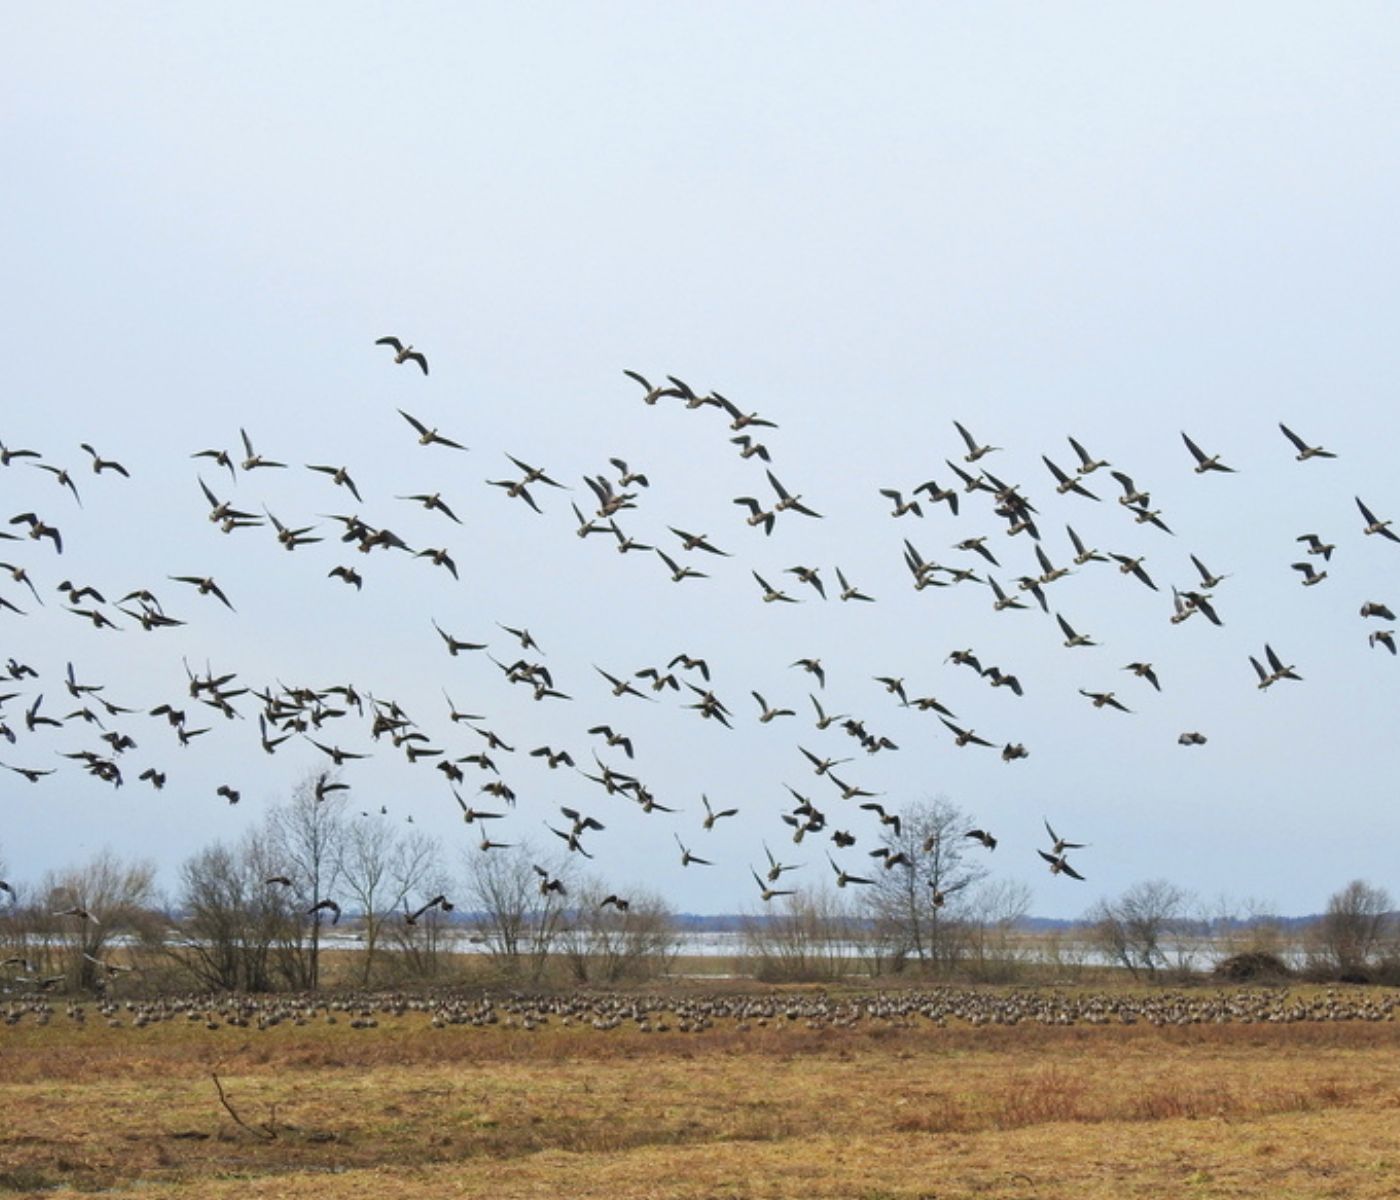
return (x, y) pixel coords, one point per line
(886, 1108)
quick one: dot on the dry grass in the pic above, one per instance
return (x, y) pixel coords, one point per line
(881, 1110)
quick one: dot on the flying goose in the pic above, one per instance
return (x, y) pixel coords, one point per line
(1082, 553)
(1208, 580)
(549, 883)
(822, 765)
(100, 464)
(757, 514)
(807, 575)
(39, 529)
(651, 394)
(770, 593)
(713, 815)
(1003, 601)
(964, 737)
(935, 494)
(1204, 462)
(1133, 566)
(1060, 844)
(851, 593)
(402, 353)
(741, 420)
(430, 437)
(975, 451)
(63, 478)
(697, 541)
(687, 857)
(765, 892)
(612, 738)
(1149, 516)
(1073, 639)
(844, 877)
(1373, 523)
(748, 448)
(1105, 699)
(786, 501)
(678, 572)
(456, 645)
(1280, 670)
(965, 658)
(901, 506)
(978, 545)
(824, 721)
(1066, 483)
(767, 713)
(999, 678)
(1317, 546)
(1305, 451)
(1131, 494)
(688, 663)
(1087, 465)
(439, 901)
(1144, 671)
(1059, 865)
(7, 456)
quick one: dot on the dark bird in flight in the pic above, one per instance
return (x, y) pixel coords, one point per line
(1373, 523)
(100, 464)
(1204, 462)
(975, 451)
(402, 353)
(1305, 451)
(429, 437)
(329, 906)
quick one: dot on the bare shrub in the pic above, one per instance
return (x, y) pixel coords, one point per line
(1353, 932)
(609, 945)
(379, 869)
(806, 937)
(305, 835)
(1133, 930)
(230, 916)
(993, 949)
(115, 896)
(917, 912)
(518, 918)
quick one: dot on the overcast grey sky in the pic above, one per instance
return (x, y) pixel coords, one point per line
(1112, 222)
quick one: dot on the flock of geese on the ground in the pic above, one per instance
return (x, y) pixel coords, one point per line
(660, 1013)
(32, 705)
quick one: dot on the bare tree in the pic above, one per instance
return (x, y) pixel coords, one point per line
(1248, 926)
(231, 916)
(1133, 930)
(518, 913)
(990, 916)
(91, 905)
(304, 836)
(379, 869)
(812, 934)
(1353, 929)
(418, 947)
(914, 908)
(18, 940)
(610, 944)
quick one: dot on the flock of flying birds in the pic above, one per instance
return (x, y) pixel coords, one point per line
(33, 542)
